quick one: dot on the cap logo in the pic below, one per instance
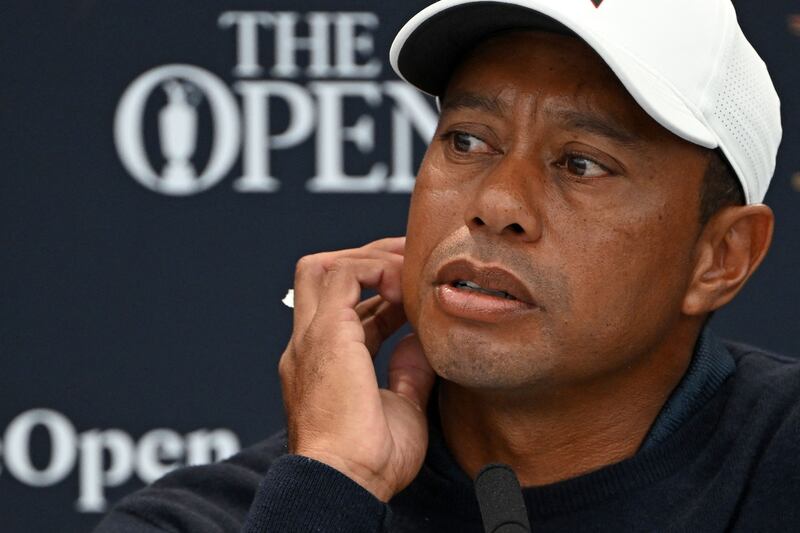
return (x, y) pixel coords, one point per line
(597, 2)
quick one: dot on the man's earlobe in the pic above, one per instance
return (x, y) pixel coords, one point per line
(732, 246)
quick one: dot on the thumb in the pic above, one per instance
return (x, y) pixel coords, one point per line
(410, 374)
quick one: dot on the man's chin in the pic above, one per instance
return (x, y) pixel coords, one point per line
(481, 367)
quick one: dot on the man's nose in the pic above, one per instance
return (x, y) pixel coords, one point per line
(505, 203)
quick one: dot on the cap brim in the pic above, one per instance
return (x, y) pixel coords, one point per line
(430, 46)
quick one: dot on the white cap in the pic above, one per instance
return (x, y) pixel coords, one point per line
(686, 62)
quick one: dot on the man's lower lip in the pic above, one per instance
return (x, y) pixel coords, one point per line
(473, 305)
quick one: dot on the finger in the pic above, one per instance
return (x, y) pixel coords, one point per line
(311, 271)
(346, 277)
(382, 321)
(410, 374)
(365, 252)
(308, 277)
(366, 308)
(394, 245)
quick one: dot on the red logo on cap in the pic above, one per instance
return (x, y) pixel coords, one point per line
(597, 2)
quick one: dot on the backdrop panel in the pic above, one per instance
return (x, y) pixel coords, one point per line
(142, 276)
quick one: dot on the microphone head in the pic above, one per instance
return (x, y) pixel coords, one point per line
(500, 500)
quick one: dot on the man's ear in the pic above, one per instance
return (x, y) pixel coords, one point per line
(731, 247)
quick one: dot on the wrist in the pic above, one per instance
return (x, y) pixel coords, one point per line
(367, 478)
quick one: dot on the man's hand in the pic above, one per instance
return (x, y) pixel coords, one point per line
(336, 412)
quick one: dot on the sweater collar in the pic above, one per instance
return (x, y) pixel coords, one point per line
(659, 455)
(711, 365)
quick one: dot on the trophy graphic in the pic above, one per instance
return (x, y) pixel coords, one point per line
(177, 127)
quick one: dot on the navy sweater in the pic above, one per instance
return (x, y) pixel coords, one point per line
(721, 456)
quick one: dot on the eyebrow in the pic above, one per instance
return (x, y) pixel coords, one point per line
(590, 122)
(479, 102)
(597, 124)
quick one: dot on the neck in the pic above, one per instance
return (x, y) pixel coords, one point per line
(562, 432)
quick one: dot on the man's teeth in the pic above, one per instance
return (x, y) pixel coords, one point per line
(463, 284)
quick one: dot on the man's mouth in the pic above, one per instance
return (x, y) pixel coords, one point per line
(471, 286)
(485, 283)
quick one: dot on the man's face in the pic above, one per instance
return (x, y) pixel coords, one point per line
(551, 231)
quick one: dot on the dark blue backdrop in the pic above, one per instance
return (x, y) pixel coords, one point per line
(159, 315)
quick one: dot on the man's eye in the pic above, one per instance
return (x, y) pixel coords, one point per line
(466, 143)
(584, 167)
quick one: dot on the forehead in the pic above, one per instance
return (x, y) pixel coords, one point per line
(553, 73)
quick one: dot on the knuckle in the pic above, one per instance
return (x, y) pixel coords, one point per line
(305, 264)
(287, 366)
(283, 367)
(339, 265)
(345, 316)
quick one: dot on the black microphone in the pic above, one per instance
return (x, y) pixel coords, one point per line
(500, 500)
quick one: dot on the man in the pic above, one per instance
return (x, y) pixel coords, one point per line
(591, 196)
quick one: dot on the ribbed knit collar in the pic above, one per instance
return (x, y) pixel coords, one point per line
(659, 456)
(711, 365)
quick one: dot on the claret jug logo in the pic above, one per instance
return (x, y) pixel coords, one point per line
(180, 129)
(184, 87)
